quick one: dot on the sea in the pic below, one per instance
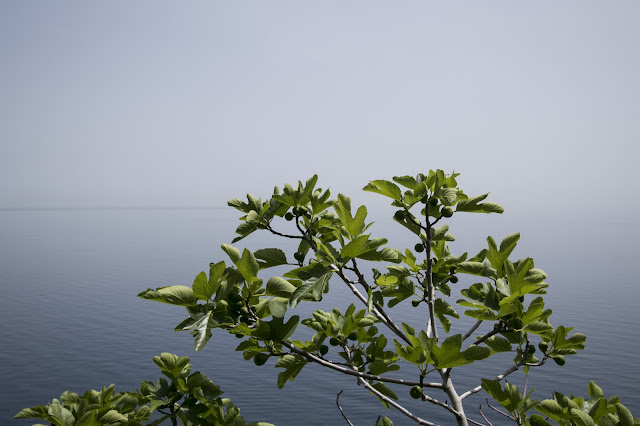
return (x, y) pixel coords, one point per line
(71, 319)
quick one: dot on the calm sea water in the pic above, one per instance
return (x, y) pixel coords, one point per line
(71, 320)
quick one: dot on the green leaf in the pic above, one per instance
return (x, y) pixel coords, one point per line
(406, 181)
(173, 366)
(174, 295)
(384, 187)
(277, 308)
(279, 287)
(594, 390)
(498, 344)
(577, 341)
(386, 391)
(232, 252)
(449, 196)
(202, 289)
(270, 257)
(581, 418)
(201, 329)
(551, 409)
(39, 412)
(248, 266)
(355, 247)
(385, 421)
(472, 205)
(61, 416)
(624, 415)
(314, 287)
(442, 308)
(292, 364)
(449, 355)
(538, 420)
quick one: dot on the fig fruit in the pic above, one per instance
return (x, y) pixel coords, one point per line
(399, 215)
(446, 211)
(288, 216)
(453, 279)
(416, 392)
(419, 247)
(260, 359)
(353, 336)
(334, 341)
(415, 303)
(559, 359)
(324, 349)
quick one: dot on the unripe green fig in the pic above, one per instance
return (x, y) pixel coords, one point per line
(239, 336)
(419, 247)
(353, 336)
(235, 298)
(334, 341)
(324, 349)
(416, 392)
(433, 202)
(288, 216)
(446, 211)
(531, 349)
(399, 215)
(298, 256)
(516, 323)
(559, 359)
(543, 346)
(453, 279)
(415, 303)
(260, 359)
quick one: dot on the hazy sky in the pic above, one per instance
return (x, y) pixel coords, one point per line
(173, 103)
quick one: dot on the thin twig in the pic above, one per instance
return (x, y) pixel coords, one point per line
(377, 310)
(470, 332)
(484, 417)
(499, 411)
(486, 336)
(340, 408)
(498, 377)
(388, 400)
(273, 231)
(387, 319)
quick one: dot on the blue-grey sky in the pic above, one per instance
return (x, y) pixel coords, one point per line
(167, 103)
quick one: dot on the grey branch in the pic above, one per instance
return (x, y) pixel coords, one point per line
(388, 400)
(340, 408)
(485, 417)
(471, 330)
(498, 377)
(356, 373)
